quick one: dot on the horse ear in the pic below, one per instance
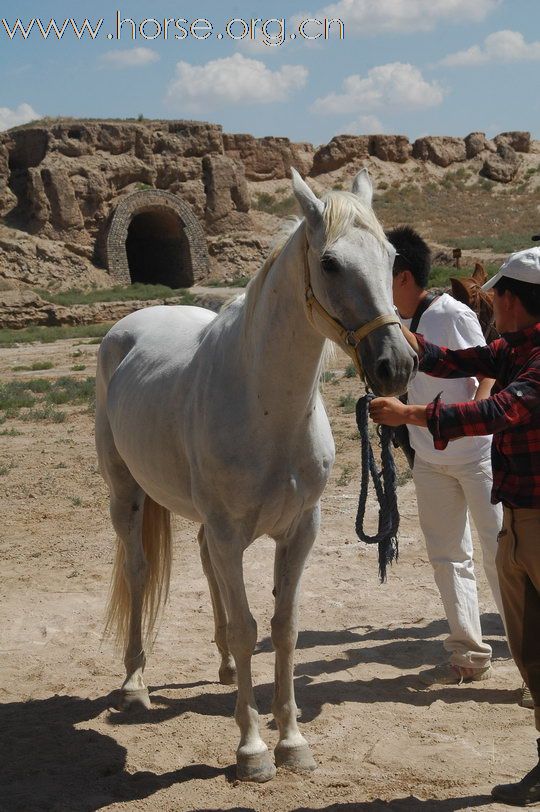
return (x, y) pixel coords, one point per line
(312, 207)
(479, 275)
(363, 188)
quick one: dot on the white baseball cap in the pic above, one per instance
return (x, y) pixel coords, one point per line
(523, 266)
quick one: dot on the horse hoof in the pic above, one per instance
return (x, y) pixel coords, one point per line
(297, 758)
(227, 675)
(258, 767)
(134, 699)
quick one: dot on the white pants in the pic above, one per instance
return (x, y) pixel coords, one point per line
(443, 493)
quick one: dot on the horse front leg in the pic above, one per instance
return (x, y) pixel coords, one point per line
(227, 669)
(292, 750)
(253, 761)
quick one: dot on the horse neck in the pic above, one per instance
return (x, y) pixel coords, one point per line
(285, 352)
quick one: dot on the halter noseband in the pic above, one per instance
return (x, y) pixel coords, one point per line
(349, 340)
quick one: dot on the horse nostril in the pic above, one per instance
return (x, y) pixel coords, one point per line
(383, 370)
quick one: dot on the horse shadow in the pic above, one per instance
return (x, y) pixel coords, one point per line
(47, 763)
(406, 647)
(398, 805)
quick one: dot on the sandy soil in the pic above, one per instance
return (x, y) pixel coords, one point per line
(381, 741)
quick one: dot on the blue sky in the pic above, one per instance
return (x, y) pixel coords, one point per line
(403, 66)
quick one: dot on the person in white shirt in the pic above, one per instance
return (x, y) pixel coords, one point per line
(449, 484)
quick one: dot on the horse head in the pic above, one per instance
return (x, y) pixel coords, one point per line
(348, 282)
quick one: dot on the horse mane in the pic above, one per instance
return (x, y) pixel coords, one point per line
(342, 211)
(256, 284)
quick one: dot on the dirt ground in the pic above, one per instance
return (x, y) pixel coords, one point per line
(381, 741)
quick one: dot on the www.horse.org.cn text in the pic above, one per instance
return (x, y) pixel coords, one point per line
(271, 32)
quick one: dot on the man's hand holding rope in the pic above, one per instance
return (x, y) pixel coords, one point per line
(392, 412)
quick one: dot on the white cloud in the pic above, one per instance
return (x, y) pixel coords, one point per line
(502, 46)
(396, 85)
(233, 80)
(21, 115)
(365, 125)
(133, 58)
(368, 17)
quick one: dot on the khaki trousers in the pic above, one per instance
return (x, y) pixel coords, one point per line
(518, 566)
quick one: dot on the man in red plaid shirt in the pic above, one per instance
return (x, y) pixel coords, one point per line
(512, 415)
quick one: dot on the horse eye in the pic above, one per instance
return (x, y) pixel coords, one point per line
(330, 265)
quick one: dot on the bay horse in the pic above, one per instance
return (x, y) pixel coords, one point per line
(468, 289)
(219, 419)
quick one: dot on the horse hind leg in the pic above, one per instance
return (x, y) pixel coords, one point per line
(227, 669)
(140, 579)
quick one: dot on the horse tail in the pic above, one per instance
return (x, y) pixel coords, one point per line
(157, 551)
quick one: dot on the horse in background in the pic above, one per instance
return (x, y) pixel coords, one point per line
(220, 419)
(468, 289)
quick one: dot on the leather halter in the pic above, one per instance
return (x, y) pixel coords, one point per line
(348, 340)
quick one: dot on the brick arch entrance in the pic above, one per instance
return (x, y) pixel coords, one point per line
(155, 238)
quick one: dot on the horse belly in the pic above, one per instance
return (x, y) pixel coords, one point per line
(146, 402)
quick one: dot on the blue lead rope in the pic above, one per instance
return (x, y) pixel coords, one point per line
(384, 482)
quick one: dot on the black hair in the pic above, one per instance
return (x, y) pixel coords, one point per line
(527, 292)
(413, 254)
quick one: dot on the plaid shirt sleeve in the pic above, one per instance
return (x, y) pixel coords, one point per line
(441, 362)
(516, 405)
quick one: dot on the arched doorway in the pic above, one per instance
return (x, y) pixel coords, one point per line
(155, 238)
(158, 250)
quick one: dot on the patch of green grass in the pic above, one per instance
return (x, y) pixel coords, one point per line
(76, 501)
(348, 403)
(78, 367)
(327, 376)
(37, 366)
(45, 412)
(46, 335)
(10, 433)
(119, 293)
(440, 274)
(71, 390)
(17, 395)
(350, 371)
(39, 385)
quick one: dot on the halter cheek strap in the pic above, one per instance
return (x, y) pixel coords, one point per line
(349, 340)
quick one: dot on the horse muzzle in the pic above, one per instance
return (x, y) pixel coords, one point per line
(388, 361)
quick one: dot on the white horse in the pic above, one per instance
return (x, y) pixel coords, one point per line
(219, 419)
